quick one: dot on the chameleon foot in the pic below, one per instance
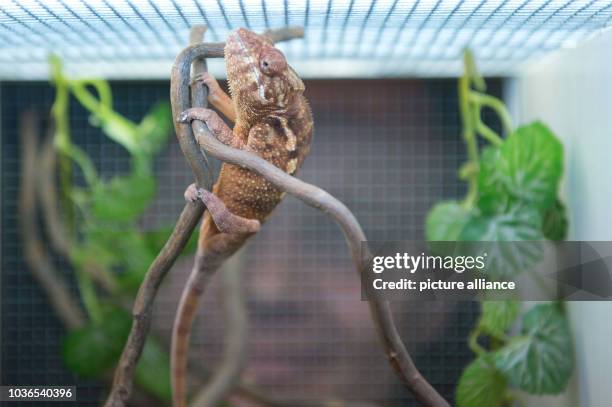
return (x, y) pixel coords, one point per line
(192, 193)
(184, 117)
(208, 80)
(226, 221)
(199, 113)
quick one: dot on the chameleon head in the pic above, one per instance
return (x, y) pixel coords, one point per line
(258, 74)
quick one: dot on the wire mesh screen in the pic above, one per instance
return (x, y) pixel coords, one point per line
(139, 38)
(388, 149)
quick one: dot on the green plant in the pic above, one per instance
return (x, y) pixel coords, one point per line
(101, 223)
(512, 196)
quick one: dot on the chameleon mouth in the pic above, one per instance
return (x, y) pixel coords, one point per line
(250, 61)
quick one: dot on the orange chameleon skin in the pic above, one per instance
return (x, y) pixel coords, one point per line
(272, 120)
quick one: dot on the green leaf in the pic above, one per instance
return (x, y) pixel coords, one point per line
(86, 352)
(154, 129)
(157, 238)
(492, 196)
(498, 316)
(481, 385)
(93, 349)
(92, 253)
(153, 370)
(527, 167)
(131, 253)
(445, 221)
(510, 240)
(541, 360)
(136, 260)
(123, 198)
(555, 222)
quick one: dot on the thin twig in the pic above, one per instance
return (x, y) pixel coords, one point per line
(143, 305)
(227, 376)
(189, 218)
(283, 34)
(36, 256)
(397, 353)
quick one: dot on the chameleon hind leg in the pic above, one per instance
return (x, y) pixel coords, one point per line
(225, 221)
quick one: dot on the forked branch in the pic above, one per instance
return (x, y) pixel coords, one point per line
(186, 223)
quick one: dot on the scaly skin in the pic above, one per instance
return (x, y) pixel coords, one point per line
(272, 120)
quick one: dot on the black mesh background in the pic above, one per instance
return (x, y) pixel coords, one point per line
(388, 149)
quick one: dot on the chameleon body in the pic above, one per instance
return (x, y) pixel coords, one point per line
(273, 120)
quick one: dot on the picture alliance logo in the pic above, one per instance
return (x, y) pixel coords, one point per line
(412, 264)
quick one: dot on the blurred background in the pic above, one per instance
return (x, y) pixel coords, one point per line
(381, 77)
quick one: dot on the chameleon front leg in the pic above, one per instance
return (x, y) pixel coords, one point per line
(216, 96)
(215, 124)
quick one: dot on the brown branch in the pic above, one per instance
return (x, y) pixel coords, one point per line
(58, 236)
(36, 256)
(38, 259)
(143, 305)
(322, 200)
(283, 34)
(227, 375)
(189, 218)
(395, 349)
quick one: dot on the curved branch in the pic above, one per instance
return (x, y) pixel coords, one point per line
(322, 200)
(314, 196)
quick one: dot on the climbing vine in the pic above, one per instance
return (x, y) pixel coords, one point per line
(512, 196)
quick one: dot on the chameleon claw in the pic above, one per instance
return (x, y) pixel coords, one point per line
(183, 117)
(199, 78)
(192, 193)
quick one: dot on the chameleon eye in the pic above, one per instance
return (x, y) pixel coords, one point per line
(272, 62)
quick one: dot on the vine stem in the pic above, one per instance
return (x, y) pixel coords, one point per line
(60, 113)
(469, 136)
(470, 107)
(473, 343)
(497, 106)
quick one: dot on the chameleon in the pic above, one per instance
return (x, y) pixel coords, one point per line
(272, 120)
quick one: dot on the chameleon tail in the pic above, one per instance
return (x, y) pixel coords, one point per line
(213, 248)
